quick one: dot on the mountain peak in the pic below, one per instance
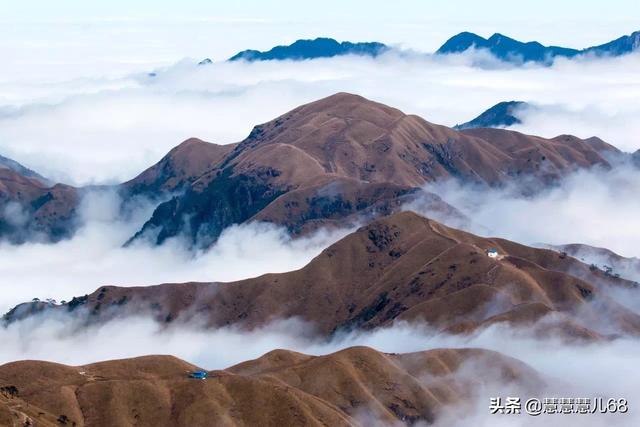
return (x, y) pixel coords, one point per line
(461, 42)
(498, 37)
(333, 115)
(179, 167)
(340, 97)
(503, 114)
(318, 41)
(344, 103)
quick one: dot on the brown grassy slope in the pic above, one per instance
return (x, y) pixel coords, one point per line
(29, 205)
(282, 388)
(348, 135)
(399, 267)
(14, 185)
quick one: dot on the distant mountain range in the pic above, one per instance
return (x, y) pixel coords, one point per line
(514, 51)
(311, 49)
(501, 46)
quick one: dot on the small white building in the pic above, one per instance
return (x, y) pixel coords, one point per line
(492, 253)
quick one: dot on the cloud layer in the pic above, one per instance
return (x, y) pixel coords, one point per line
(595, 207)
(109, 129)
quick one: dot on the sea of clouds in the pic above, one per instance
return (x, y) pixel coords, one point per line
(96, 129)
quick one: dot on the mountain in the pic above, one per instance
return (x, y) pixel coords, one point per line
(517, 52)
(346, 156)
(178, 169)
(310, 49)
(503, 114)
(32, 208)
(401, 267)
(6, 163)
(352, 387)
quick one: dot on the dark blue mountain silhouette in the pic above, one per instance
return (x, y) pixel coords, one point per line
(310, 49)
(505, 48)
(514, 51)
(500, 115)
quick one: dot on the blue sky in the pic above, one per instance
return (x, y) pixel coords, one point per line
(421, 24)
(328, 9)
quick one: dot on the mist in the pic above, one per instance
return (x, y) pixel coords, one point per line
(95, 256)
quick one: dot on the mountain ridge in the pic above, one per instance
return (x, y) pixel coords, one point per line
(279, 388)
(333, 162)
(517, 52)
(348, 142)
(400, 267)
(503, 47)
